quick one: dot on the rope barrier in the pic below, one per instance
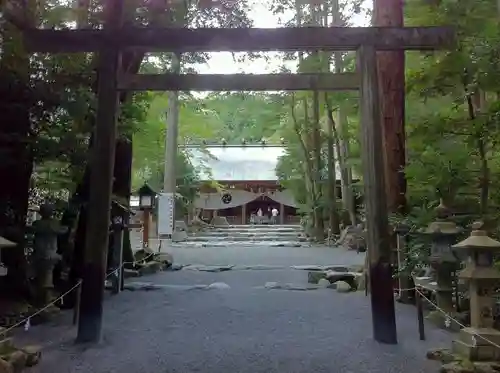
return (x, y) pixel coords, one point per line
(26, 321)
(115, 271)
(450, 319)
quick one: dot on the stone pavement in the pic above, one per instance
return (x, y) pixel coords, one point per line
(238, 325)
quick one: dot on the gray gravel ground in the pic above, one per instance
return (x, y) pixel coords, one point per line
(255, 255)
(244, 328)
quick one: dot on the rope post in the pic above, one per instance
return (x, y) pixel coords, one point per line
(116, 275)
(420, 315)
(76, 309)
(122, 278)
(404, 280)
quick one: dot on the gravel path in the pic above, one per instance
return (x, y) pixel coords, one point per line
(242, 327)
(258, 255)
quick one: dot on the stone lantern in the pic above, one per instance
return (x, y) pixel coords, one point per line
(4, 243)
(147, 198)
(443, 235)
(482, 278)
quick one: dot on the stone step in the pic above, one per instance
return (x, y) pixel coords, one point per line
(256, 230)
(248, 228)
(247, 234)
(260, 238)
(226, 243)
(250, 233)
(257, 226)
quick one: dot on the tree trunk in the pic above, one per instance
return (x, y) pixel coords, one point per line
(131, 63)
(484, 178)
(345, 171)
(16, 153)
(332, 180)
(307, 167)
(122, 186)
(392, 85)
(318, 166)
(339, 138)
(333, 215)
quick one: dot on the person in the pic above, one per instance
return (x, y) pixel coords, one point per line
(260, 214)
(274, 215)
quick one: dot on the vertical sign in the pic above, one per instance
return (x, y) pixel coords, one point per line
(166, 207)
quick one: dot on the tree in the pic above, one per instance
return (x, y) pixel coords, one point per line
(321, 148)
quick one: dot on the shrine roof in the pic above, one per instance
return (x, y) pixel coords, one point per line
(236, 163)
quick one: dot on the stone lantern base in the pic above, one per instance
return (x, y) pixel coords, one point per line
(470, 345)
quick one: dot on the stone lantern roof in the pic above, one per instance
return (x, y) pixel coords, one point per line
(478, 239)
(6, 243)
(444, 227)
(441, 226)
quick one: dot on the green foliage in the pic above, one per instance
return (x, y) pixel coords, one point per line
(452, 108)
(453, 117)
(249, 116)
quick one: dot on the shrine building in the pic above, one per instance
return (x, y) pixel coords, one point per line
(247, 175)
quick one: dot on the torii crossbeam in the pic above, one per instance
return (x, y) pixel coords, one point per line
(240, 39)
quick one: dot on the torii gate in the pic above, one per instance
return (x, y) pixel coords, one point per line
(114, 37)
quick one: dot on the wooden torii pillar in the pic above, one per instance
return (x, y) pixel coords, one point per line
(109, 41)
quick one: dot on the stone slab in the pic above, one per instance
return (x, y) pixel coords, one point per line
(290, 286)
(33, 355)
(150, 268)
(206, 268)
(472, 336)
(476, 353)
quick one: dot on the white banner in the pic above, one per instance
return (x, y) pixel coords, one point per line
(166, 211)
(213, 201)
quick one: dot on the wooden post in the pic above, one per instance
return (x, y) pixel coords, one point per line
(404, 281)
(420, 315)
(146, 218)
(101, 176)
(391, 70)
(116, 277)
(76, 307)
(122, 267)
(378, 242)
(282, 214)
